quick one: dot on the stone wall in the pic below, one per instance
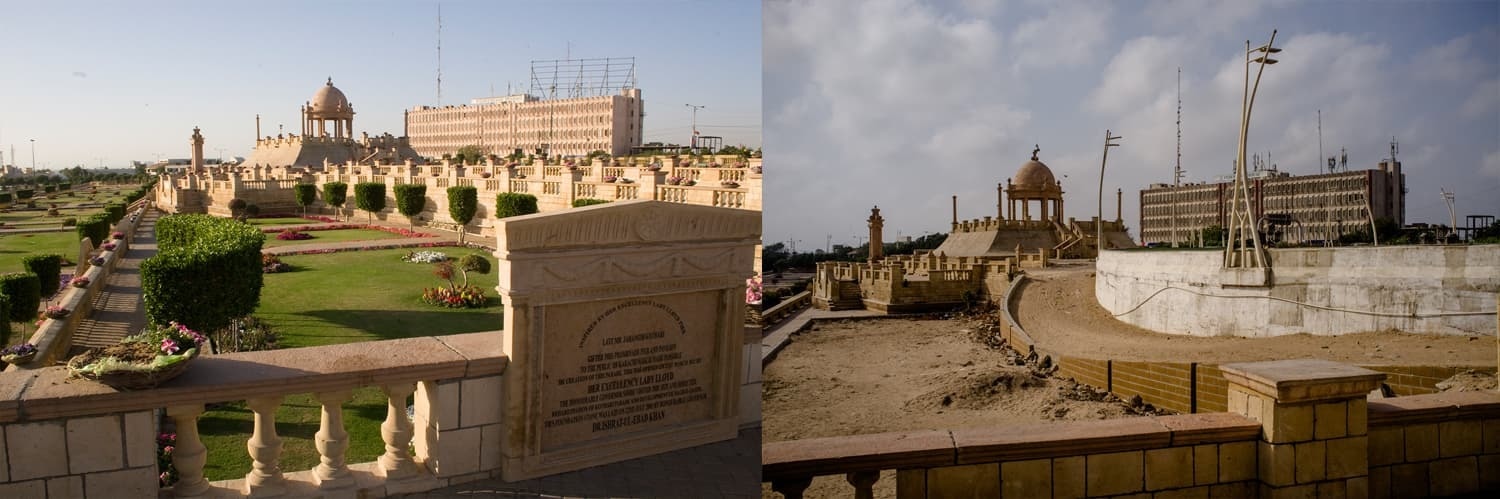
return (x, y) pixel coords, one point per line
(1437, 445)
(1324, 291)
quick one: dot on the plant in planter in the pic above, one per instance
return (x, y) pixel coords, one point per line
(108, 246)
(79, 282)
(96, 261)
(157, 354)
(624, 180)
(753, 295)
(609, 178)
(17, 354)
(730, 184)
(674, 180)
(56, 312)
(484, 175)
(117, 235)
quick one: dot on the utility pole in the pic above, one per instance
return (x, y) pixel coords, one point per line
(33, 155)
(1177, 171)
(694, 140)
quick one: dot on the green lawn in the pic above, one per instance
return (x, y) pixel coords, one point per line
(333, 236)
(339, 298)
(14, 247)
(282, 221)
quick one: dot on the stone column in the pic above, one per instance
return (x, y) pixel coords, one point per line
(876, 237)
(1314, 439)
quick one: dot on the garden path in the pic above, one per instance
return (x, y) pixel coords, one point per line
(118, 310)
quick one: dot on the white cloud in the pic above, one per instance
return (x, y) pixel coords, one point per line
(1491, 164)
(1484, 102)
(1069, 34)
(1140, 71)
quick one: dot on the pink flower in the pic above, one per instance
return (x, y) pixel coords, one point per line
(169, 346)
(167, 449)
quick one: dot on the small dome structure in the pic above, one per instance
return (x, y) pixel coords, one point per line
(329, 102)
(1034, 182)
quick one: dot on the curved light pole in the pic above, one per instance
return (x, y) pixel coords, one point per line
(1099, 221)
(1241, 220)
(33, 155)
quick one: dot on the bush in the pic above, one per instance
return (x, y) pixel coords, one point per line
(49, 188)
(63, 186)
(206, 273)
(370, 196)
(24, 193)
(510, 204)
(245, 335)
(5, 197)
(463, 203)
(4, 317)
(115, 212)
(252, 210)
(25, 295)
(95, 227)
(48, 269)
(306, 194)
(293, 235)
(70, 221)
(272, 264)
(580, 202)
(459, 297)
(335, 193)
(411, 199)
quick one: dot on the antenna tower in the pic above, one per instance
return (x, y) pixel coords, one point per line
(1177, 170)
(440, 55)
(1395, 148)
(1452, 217)
(1320, 139)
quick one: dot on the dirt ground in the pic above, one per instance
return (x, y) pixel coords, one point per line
(874, 376)
(1057, 308)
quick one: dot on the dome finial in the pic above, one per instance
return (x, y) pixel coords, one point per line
(330, 81)
(1037, 149)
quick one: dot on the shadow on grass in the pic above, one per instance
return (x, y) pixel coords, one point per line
(392, 324)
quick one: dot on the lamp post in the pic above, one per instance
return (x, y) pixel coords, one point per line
(33, 155)
(1099, 221)
(695, 124)
(1241, 221)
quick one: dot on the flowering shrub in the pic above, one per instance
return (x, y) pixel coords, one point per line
(321, 219)
(371, 247)
(293, 235)
(272, 264)
(460, 297)
(425, 257)
(165, 444)
(753, 290)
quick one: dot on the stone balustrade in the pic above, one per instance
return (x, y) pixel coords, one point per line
(786, 308)
(80, 439)
(1299, 428)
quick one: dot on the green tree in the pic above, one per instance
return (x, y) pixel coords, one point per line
(334, 194)
(48, 268)
(370, 197)
(510, 204)
(463, 204)
(1212, 236)
(24, 291)
(306, 194)
(410, 200)
(469, 154)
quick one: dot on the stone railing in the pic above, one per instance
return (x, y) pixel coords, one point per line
(1300, 428)
(86, 440)
(786, 308)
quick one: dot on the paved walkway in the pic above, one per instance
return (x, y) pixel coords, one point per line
(118, 310)
(728, 469)
(780, 335)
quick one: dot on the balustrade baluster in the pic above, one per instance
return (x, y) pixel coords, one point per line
(791, 488)
(864, 483)
(332, 442)
(264, 479)
(397, 432)
(188, 452)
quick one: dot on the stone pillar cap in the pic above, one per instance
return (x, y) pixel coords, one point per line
(1303, 380)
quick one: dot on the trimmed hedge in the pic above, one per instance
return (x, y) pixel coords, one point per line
(95, 227)
(206, 273)
(411, 199)
(580, 202)
(463, 203)
(24, 193)
(510, 204)
(335, 194)
(24, 291)
(63, 186)
(47, 268)
(306, 194)
(4, 318)
(370, 196)
(49, 188)
(5, 197)
(116, 212)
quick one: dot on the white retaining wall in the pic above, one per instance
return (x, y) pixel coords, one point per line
(1416, 289)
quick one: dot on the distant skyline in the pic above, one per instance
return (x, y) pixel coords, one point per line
(129, 81)
(904, 103)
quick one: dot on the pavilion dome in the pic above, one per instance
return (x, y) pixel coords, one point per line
(329, 102)
(1034, 174)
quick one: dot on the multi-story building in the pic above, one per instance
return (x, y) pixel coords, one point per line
(1319, 207)
(522, 123)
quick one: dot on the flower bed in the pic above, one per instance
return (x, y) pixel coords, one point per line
(458, 297)
(395, 245)
(272, 264)
(425, 257)
(293, 235)
(345, 226)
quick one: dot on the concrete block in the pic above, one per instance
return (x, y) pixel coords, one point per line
(1421, 442)
(4, 469)
(1206, 464)
(490, 440)
(1276, 464)
(1492, 436)
(1115, 473)
(31, 488)
(1311, 457)
(1026, 478)
(1409, 480)
(1330, 420)
(1455, 476)
(134, 482)
(1237, 461)
(1489, 472)
(33, 451)
(1235, 490)
(1188, 493)
(1309, 491)
(750, 405)
(65, 486)
(1380, 482)
(1332, 489)
(1357, 487)
(437, 402)
(482, 401)
(1169, 468)
(457, 452)
(1359, 417)
(1460, 438)
(1288, 423)
(974, 480)
(1068, 477)
(140, 439)
(1238, 400)
(1347, 457)
(1387, 446)
(94, 444)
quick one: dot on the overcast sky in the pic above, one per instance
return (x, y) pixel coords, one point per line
(903, 103)
(109, 82)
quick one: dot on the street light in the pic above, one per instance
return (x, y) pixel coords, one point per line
(33, 155)
(1099, 222)
(695, 124)
(1240, 221)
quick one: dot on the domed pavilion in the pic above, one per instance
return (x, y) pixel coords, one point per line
(1034, 183)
